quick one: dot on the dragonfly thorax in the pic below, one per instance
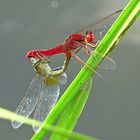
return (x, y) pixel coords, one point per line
(42, 68)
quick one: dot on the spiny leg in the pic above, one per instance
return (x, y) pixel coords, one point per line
(90, 51)
(92, 46)
(86, 44)
(79, 48)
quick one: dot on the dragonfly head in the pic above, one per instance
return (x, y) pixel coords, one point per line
(89, 36)
(33, 60)
(32, 56)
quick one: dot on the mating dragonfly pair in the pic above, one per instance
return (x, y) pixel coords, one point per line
(44, 89)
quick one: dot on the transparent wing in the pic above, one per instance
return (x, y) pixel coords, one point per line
(108, 64)
(63, 78)
(47, 100)
(101, 27)
(29, 101)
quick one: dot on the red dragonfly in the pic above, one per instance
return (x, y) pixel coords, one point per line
(85, 38)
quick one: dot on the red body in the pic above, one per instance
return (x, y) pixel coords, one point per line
(71, 43)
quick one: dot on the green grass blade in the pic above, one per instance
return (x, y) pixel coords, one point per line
(139, 13)
(114, 35)
(8, 115)
(72, 112)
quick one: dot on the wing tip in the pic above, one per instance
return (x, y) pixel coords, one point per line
(16, 124)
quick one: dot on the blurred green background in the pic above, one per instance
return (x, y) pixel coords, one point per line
(112, 111)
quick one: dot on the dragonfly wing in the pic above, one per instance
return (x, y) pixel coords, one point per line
(47, 100)
(108, 64)
(63, 78)
(29, 101)
(101, 27)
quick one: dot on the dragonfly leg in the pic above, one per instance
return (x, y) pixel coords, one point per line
(90, 52)
(93, 46)
(82, 62)
(79, 48)
(86, 49)
(83, 45)
(42, 57)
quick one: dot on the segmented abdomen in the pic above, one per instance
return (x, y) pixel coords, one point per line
(56, 50)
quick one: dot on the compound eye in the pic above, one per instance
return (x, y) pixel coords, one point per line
(88, 32)
(32, 60)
